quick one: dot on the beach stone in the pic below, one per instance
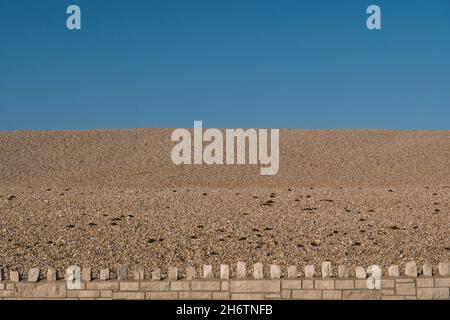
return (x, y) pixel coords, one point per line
(258, 272)
(224, 271)
(207, 271)
(156, 274)
(444, 268)
(343, 271)
(190, 273)
(33, 275)
(51, 274)
(393, 271)
(327, 270)
(360, 273)
(310, 271)
(292, 272)
(104, 274)
(427, 270)
(275, 271)
(241, 270)
(86, 274)
(411, 269)
(122, 273)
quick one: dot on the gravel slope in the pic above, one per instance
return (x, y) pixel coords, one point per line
(104, 198)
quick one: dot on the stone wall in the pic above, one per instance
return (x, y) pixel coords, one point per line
(344, 284)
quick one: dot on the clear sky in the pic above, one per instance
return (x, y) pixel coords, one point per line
(231, 63)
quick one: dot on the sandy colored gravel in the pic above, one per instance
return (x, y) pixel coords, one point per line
(105, 198)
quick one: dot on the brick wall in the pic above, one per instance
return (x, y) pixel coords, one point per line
(345, 284)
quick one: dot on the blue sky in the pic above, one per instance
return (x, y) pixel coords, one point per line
(231, 63)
